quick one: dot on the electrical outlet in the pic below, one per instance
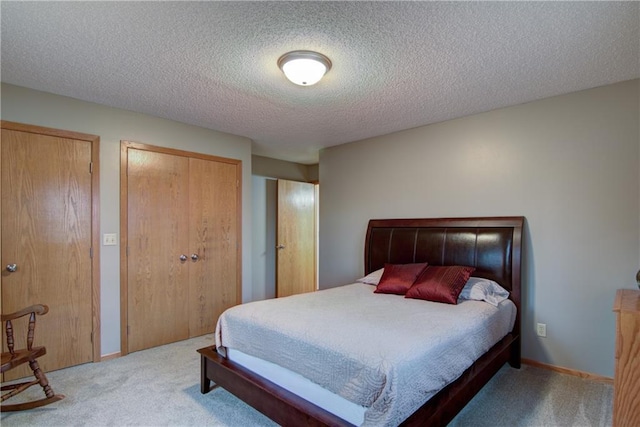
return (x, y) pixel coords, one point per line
(110, 239)
(541, 329)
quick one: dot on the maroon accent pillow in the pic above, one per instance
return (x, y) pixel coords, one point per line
(398, 278)
(440, 283)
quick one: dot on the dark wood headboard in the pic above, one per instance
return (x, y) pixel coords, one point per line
(493, 245)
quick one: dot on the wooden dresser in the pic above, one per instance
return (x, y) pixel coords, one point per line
(626, 393)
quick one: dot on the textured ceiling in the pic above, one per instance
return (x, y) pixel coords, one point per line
(396, 65)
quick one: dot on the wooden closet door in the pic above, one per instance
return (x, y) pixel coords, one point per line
(177, 203)
(296, 237)
(214, 281)
(158, 234)
(47, 233)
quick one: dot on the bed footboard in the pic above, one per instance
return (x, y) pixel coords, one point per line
(282, 406)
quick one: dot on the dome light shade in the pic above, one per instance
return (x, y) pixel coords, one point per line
(303, 67)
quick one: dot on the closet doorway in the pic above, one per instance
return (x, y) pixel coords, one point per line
(181, 250)
(50, 240)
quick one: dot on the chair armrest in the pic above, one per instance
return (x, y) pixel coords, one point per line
(39, 309)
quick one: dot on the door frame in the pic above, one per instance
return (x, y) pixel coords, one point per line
(95, 216)
(124, 224)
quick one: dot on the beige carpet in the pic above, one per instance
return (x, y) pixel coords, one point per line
(161, 387)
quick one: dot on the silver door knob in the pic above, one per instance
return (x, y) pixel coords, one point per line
(183, 257)
(11, 268)
(280, 247)
(194, 257)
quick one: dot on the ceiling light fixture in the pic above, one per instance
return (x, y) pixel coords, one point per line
(304, 67)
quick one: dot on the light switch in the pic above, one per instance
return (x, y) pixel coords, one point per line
(110, 239)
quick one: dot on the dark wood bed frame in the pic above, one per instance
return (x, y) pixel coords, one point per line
(492, 245)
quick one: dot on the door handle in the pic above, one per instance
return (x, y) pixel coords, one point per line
(280, 247)
(195, 257)
(183, 257)
(11, 268)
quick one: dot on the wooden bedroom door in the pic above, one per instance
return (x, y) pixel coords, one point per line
(296, 238)
(48, 240)
(182, 257)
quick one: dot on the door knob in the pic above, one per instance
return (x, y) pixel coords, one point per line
(11, 268)
(194, 257)
(183, 257)
(280, 247)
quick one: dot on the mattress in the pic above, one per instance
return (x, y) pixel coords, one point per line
(383, 353)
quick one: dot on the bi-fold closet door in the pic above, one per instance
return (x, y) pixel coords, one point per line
(181, 260)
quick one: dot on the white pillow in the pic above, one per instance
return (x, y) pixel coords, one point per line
(372, 278)
(480, 289)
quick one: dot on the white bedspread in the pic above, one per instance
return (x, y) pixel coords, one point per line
(385, 352)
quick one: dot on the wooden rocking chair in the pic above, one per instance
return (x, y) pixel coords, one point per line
(14, 358)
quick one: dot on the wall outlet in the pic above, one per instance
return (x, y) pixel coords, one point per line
(109, 239)
(541, 329)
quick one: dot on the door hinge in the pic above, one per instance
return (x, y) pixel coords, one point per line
(127, 251)
(91, 252)
(128, 330)
(90, 167)
(92, 337)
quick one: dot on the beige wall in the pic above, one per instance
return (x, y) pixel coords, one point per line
(282, 169)
(570, 164)
(112, 125)
(264, 226)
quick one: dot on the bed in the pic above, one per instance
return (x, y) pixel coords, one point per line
(491, 245)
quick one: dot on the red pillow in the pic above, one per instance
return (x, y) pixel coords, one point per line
(440, 283)
(398, 278)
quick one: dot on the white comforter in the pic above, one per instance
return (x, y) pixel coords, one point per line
(384, 352)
